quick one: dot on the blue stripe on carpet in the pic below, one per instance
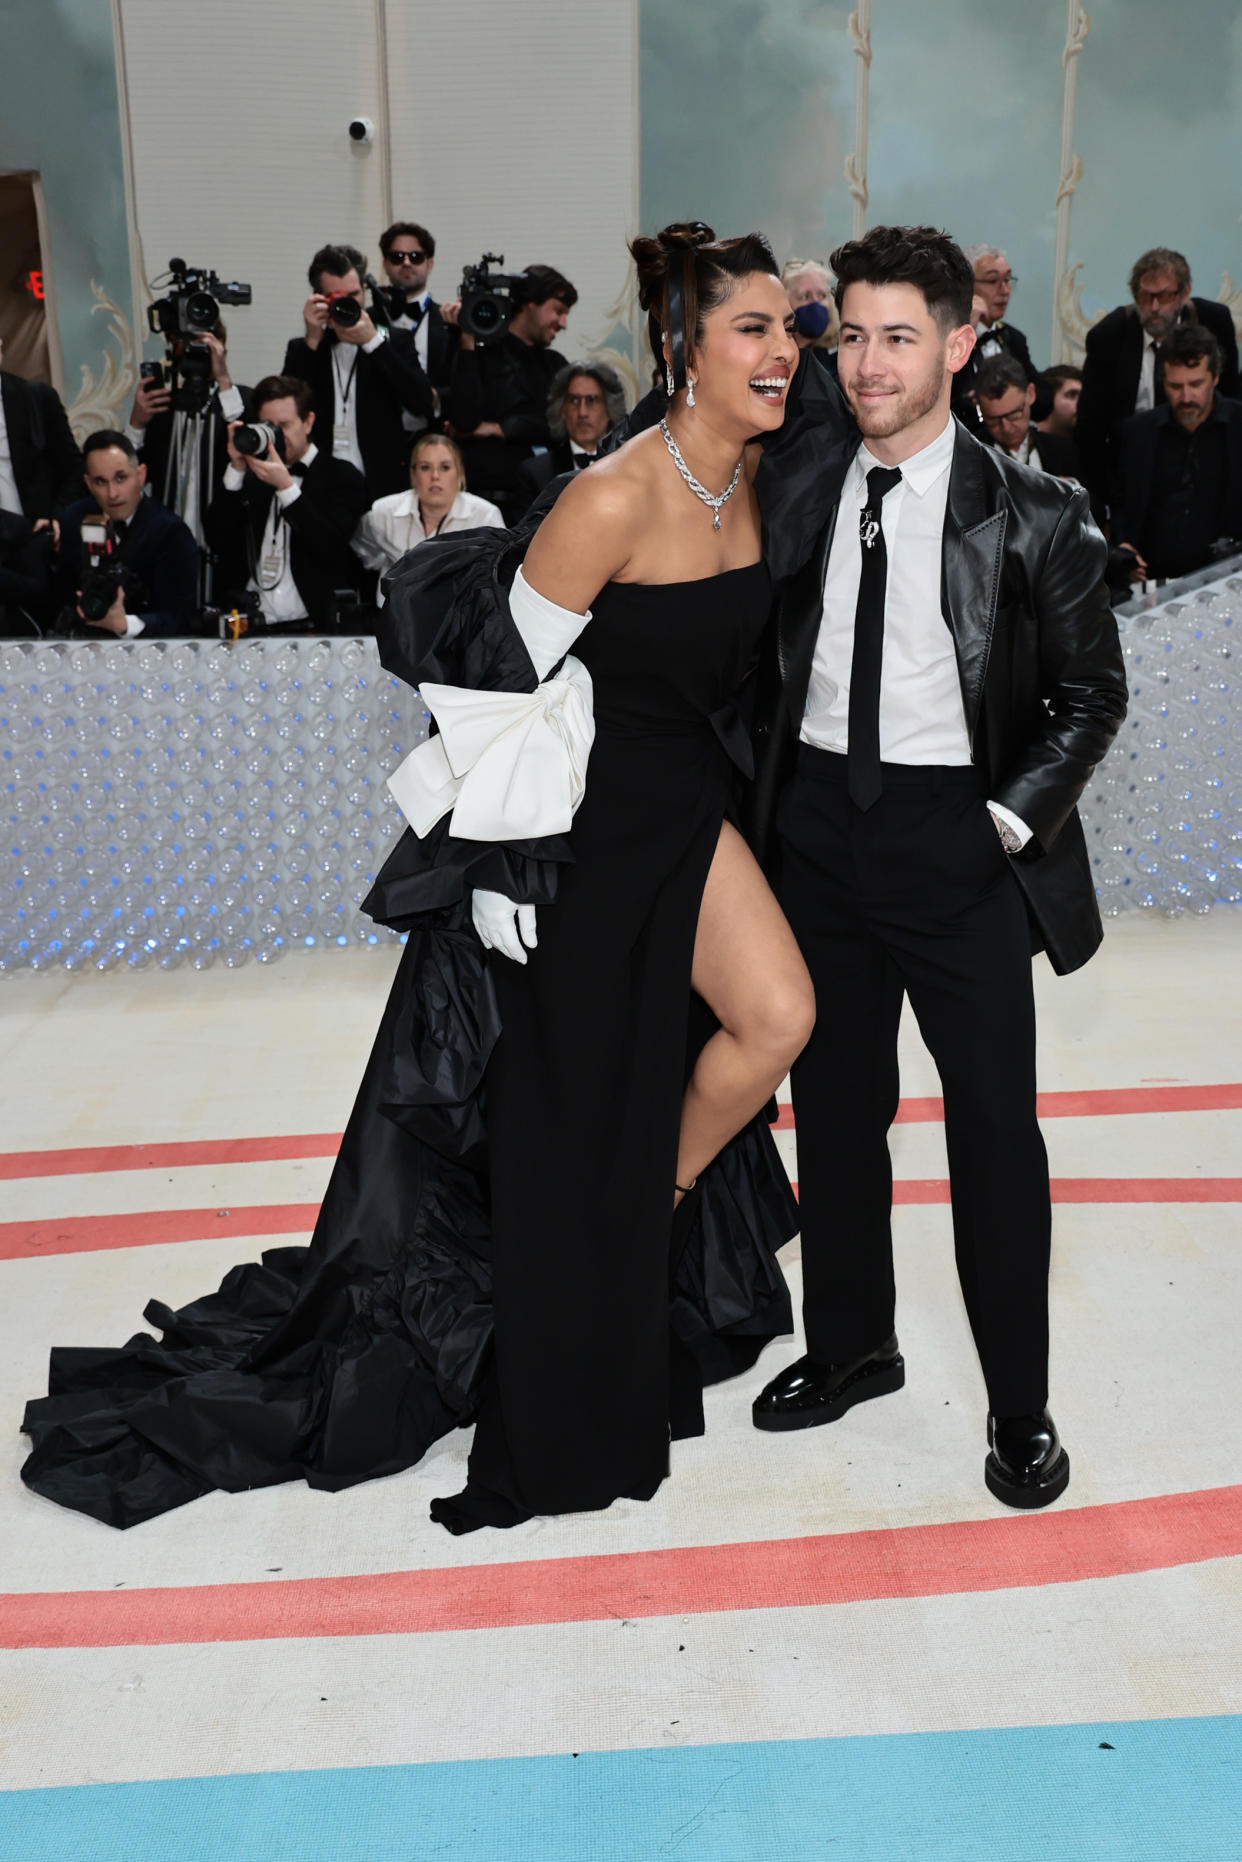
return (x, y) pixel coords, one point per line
(1167, 1790)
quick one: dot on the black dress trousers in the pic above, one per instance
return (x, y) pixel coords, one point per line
(914, 896)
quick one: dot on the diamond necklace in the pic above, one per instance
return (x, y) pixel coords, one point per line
(701, 491)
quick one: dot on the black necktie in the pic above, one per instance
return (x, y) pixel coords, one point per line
(863, 757)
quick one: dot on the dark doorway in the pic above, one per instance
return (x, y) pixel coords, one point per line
(23, 307)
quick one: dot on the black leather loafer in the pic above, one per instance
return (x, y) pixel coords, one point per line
(1027, 1465)
(809, 1392)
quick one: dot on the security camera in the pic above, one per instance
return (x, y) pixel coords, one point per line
(361, 129)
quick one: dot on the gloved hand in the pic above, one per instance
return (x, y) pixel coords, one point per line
(502, 925)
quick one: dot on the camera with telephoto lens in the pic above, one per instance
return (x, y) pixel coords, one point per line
(103, 574)
(253, 438)
(489, 298)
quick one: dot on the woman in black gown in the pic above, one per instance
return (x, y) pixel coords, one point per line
(499, 1241)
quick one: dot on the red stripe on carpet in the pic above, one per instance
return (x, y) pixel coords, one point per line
(1014, 1552)
(96, 1158)
(81, 1234)
(1103, 1103)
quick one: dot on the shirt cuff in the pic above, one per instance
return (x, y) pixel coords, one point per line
(134, 625)
(1013, 821)
(234, 477)
(381, 336)
(231, 404)
(137, 437)
(286, 497)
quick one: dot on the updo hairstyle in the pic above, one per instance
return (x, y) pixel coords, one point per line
(707, 270)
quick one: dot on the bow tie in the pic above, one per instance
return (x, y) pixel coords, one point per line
(298, 470)
(584, 459)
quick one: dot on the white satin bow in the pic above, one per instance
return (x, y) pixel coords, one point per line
(510, 765)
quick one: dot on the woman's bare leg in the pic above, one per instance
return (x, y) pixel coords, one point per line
(750, 972)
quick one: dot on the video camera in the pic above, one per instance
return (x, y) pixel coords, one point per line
(191, 306)
(489, 298)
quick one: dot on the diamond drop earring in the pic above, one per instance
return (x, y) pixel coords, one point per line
(689, 392)
(668, 380)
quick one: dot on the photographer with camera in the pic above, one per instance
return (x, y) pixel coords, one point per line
(504, 369)
(126, 565)
(182, 406)
(185, 450)
(363, 378)
(408, 252)
(282, 520)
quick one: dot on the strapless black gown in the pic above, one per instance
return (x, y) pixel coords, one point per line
(534, 1279)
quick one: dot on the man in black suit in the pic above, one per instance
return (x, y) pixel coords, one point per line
(585, 401)
(281, 521)
(149, 550)
(498, 396)
(363, 379)
(994, 334)
(1179, 469)
(1006, 403)
(40, 467)
(408, 252)
(1120, 376)
(944, 676)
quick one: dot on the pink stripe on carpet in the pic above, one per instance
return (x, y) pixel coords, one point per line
(1017, 1551)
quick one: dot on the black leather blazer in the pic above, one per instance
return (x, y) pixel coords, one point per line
(1024, 597)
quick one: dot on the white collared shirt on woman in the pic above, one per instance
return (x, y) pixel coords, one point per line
(393, 526)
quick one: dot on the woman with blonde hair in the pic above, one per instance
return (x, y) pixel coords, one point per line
(437, 501)
(808, 286)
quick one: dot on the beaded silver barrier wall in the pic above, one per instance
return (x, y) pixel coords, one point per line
(181, 802)
(184, 802)
(1164, 813)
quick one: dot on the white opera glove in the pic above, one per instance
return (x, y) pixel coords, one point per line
(547, 631)
(502, 925)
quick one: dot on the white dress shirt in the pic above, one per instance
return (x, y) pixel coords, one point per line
(1145, 399)
(10, 498)
(278, 593)
(922, 714)
(345, 365)
(393, 526)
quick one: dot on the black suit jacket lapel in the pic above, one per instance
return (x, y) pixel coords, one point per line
(974, 543)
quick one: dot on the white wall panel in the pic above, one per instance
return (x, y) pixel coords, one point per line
(514, 127)
(515, 130)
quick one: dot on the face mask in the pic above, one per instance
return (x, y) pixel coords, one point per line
(811, 319)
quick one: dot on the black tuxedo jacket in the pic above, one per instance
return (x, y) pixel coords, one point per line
(540, 470)
(157, 549)
(25, 576)
(442, 337)
(1024, 597)
(1012, 341)
(321, 522)
(1057, 454)
(47, 465)
(1136, 470)
(388, 381)
(1110, 379)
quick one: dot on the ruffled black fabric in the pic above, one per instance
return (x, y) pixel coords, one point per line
(345, 1360)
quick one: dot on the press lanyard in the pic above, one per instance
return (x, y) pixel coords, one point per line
(344, 383)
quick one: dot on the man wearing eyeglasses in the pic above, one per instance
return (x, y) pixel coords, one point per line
(1120, 376)
(994, 334)
(408, 252)
(1006, 400)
